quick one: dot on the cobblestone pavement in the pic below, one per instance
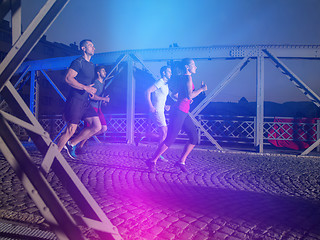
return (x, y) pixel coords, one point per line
(224, 196)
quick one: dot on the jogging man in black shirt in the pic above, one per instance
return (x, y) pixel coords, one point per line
(80, 76)
(96, 101)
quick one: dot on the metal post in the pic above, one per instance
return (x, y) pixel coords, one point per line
(61, 221)
(34, 94)
(23, 46)
(32, 91)
(260, 103)
(301, 86)
(318, 133)
(16, 19)
(130, 102)
(255, 141)
(198, 130)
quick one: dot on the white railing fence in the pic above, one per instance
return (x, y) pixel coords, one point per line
(224, 129)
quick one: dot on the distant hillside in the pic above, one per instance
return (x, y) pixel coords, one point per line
(271, 109)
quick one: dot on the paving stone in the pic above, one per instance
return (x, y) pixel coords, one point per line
(180, 224)
(220, 235)
(203, 236)
(117, 221)
(234, 238)
(147, 236)
(172, 219)
(127, 215)
(188, 219)
(166, 235)
(159, 216)
(214, 227)
(200, 225)
(239, 235)
(164, 224)
(156, 230)
(225, 195)
(186, 235)
(227, 230)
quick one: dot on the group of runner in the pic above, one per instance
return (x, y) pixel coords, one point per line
(86, 95)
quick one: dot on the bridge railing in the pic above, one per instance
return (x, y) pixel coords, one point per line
(225, 129)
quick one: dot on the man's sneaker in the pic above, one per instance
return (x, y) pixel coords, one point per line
(181, 166)
(151, 166)
(138, 139)
(71, 150)
(163, 159)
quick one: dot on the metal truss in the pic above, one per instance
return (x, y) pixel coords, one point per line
(197, 123)
(300, 85)
(212, 94)
(225, 129)
(64, 225)
(245, 54)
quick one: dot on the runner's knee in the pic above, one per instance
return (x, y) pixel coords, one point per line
(104, 128)
(96, 126)
(71, 129)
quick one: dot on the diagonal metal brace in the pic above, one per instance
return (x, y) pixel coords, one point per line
(220, 86)
(49, 158)
(313, 146)
(139, 60)
(97, 225)
(302, 87)
(211, 95)
(294, 78)
(23, 46)
(119, 60)
(24, 124)
(36, 185)
(211, 139)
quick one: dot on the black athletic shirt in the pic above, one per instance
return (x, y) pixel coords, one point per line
(86, 75)
(99, 86)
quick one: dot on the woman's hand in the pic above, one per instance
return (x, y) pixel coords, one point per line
(204, 86)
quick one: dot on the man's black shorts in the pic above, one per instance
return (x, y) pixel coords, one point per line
(78, 109)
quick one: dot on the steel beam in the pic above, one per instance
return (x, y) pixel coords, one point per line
(23, 46)
(119, 60)
(211, 139)
(196, 122)
(198, 53)
(294, 78)
(260, 104)
(313, 146)
(36, 185)
(53, 85)
(16, 19)
(63, 224)
(59, 165)
(234, 72)
(139, 60)
(196, 111)
(22, 76)
(300, 85)
(131, 87)
(5, 7)
(202, 53)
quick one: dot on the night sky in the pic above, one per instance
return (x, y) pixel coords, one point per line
(116, 25)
